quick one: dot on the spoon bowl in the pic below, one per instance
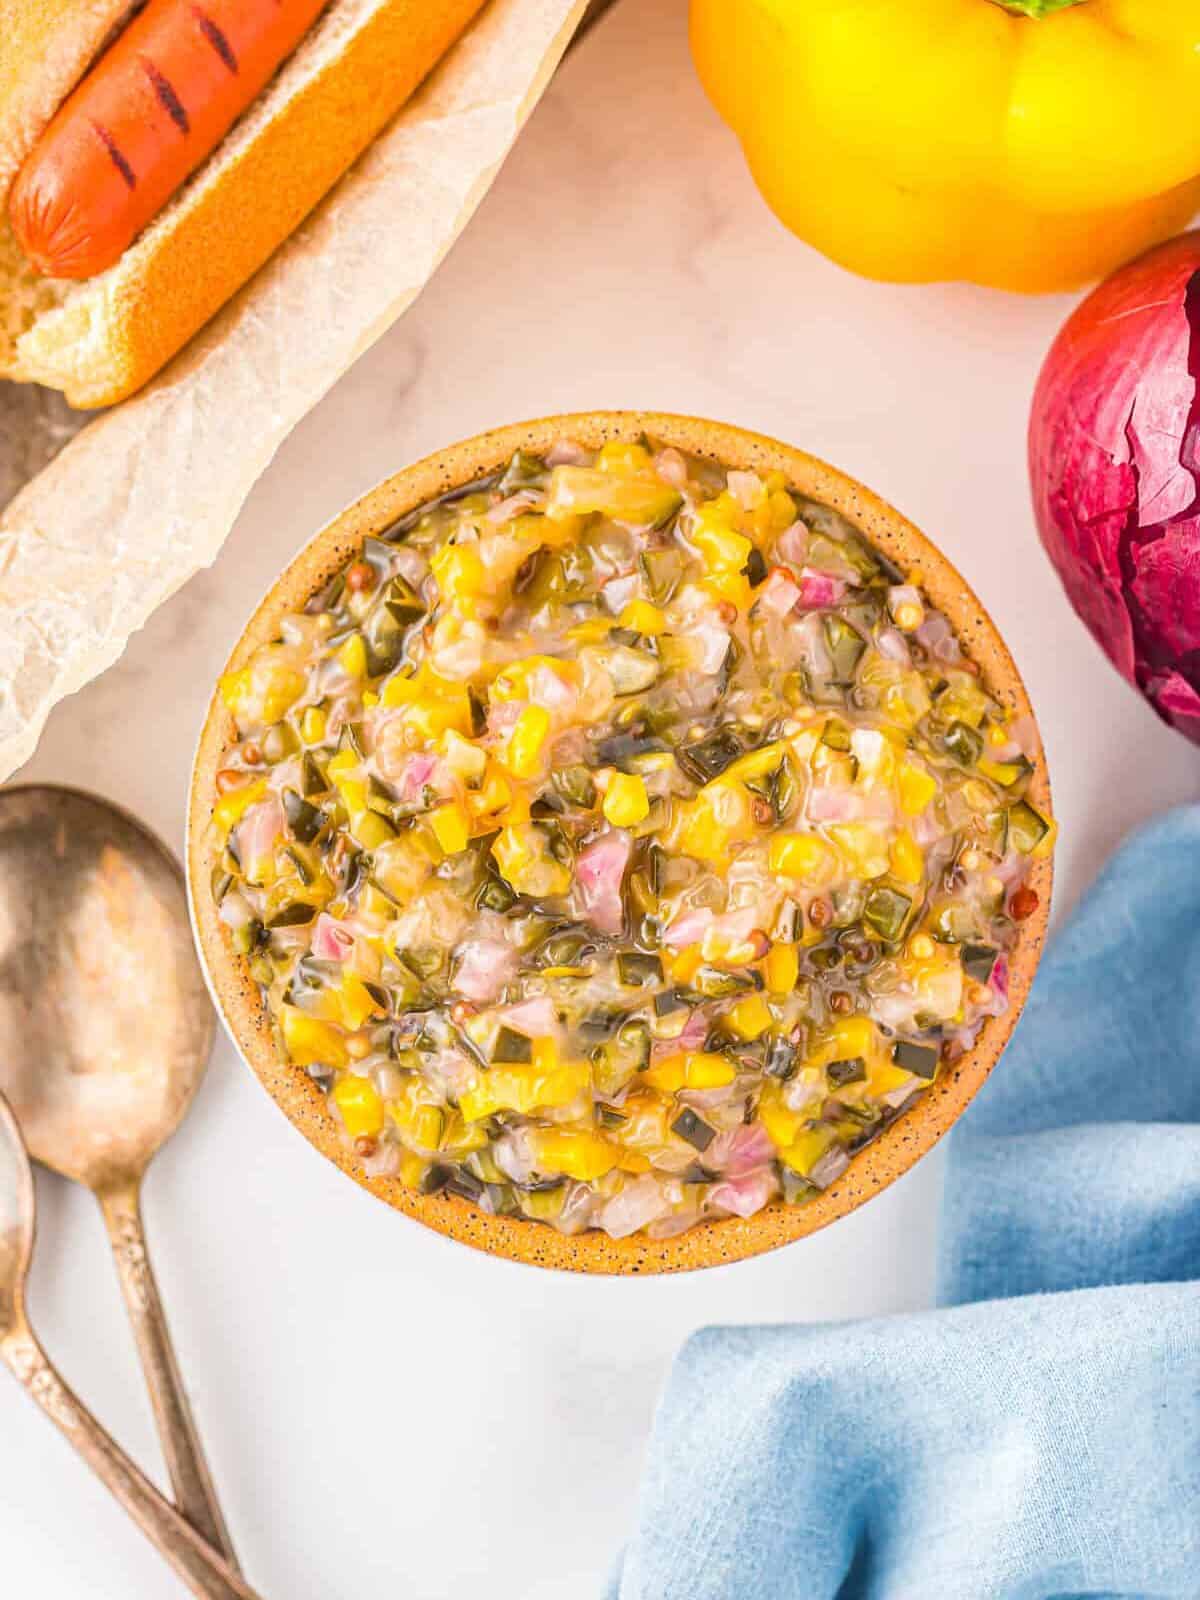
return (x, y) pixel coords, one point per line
(105, 1031)
(105, 1023)
(16, 1223)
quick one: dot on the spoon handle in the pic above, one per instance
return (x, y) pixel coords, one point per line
(191, 1481)
(204, 1573)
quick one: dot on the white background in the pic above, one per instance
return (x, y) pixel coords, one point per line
(389, 1414)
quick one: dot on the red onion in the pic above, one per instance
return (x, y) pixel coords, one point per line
(330, 940)
(599, 870)
(820, 590)
(1114, 453)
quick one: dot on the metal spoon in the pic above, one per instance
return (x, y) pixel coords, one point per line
(105, 1030)
(200, 1568)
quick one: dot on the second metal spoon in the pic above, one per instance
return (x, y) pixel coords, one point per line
(105, 1031)
(205, 1574)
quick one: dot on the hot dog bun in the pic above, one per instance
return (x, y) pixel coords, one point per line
(100, 340)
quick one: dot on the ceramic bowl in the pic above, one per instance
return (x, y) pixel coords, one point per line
(238, 998)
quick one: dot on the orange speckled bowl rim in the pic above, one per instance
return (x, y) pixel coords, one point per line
(709, 1243)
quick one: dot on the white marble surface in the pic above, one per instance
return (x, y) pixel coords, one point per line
(387, 1413)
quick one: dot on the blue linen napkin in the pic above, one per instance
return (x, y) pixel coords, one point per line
(1037, 1438)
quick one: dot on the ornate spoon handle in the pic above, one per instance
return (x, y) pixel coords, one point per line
(204, 1573)
(195, 1495)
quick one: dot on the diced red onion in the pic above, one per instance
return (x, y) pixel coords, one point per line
(745, 1195)
(385, 1163)
(535, 1017)
(618, 592)
(236, 911)
(740, 1150)
(747, 489)
(779, 594)
(827, 803)
(482, 968)
(688, 928)
(792, 544)
(505, 510)
(830, 1167)
(259, 829)
(999, 977)
(936, 634)
(563, 453)
(550, 690)
(671, 468)
(820, 590)
(599, 870)
(638, 1204)
(894, 645)
(330, 940)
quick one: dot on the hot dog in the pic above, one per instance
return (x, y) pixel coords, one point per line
(162, 157)
(150, 111)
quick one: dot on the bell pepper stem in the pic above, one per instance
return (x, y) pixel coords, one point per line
(1035, 8)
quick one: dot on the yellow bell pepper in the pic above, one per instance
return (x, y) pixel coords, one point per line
(582, 1155)
(626, 800)
(362, 1109)
(1024, 144)
(232, 807)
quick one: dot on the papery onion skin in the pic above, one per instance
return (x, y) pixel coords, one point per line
(1114, 456)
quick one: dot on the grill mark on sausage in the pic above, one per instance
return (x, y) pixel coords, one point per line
(215, 37)
(115, 153)
(167, 98)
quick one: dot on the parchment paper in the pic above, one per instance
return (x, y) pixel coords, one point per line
(146, 493)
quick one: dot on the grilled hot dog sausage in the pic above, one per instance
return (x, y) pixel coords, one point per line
(147, 115)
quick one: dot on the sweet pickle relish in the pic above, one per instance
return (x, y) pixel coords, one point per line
(620, 841)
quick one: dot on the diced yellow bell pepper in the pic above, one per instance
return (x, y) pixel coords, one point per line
(451, 827)
(493, 795)
(625, 800)
(362, 1110)
(264, 691)
(412, 1170)
(781, 968)
(512, 682)
(524, 1088)
(807, 1149)
(461, 576)
(524, 859)
(722, 547)
(421, 1122)
(750, 1018)
(617, 456)
(803, 856)
(432, 703)
(908, 864)
(582, 1155)
(846, 1038)
(309, 1040)
(357, 1003)
(781, 1122)
(864, 845)
(523, 756)
(917, 789)
(883, 1076)
(643, 617)
(686, 964)
(352, 656)
(731, 586)
(466, 760)
(232, 807)
(689, 1069)
(352, 790)
(312, 725)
